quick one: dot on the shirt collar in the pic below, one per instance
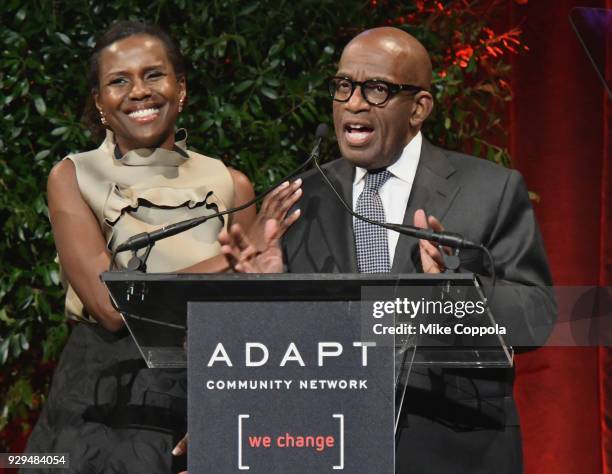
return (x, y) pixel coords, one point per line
(405, 166)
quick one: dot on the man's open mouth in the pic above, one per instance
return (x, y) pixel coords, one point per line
(357, 134)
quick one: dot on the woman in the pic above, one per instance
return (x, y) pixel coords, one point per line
(105, 409)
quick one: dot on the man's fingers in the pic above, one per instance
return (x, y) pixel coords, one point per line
(432, 252)
(180, 447)
(435, 224)
(431, 260)
(423, 221)
(420, 220)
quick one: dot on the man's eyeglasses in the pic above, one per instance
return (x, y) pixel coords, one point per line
(374, 91)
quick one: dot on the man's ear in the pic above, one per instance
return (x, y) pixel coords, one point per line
(423, 105)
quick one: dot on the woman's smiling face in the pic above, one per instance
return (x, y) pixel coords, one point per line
(139, 93)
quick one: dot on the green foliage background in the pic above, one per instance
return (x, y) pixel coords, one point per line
(256, 87)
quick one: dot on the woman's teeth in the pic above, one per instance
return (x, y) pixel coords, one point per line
(143, 113)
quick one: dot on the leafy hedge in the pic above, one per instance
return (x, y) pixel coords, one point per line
(256, 87)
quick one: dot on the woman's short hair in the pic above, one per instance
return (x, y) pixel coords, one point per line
(117, 32)
(125, 29)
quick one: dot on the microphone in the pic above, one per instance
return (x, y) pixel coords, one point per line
(320, 134)
(146, 239)
(448, 239)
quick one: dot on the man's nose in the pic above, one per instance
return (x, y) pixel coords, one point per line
(357, 101)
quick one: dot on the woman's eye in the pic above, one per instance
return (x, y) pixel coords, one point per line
(155, 75)
(117, 81)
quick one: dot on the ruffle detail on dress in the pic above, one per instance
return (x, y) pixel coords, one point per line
(149, 157)
(122, 200)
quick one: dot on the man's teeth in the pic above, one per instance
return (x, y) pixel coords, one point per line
(143, 113)
(358, 128)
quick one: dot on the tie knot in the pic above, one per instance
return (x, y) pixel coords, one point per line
(374, 180)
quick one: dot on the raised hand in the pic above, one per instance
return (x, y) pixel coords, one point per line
(276, 206)
(244, 257)
(431, 258)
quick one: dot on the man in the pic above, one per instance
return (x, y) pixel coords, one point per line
(457, 420)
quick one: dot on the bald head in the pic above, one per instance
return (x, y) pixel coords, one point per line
(372, 133)
(409, 55)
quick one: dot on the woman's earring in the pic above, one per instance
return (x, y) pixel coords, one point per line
(103, 119)
(181, 103)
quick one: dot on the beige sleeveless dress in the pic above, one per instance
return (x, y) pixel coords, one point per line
(105, 408)
(144, 190)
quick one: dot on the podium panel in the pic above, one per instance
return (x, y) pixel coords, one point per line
(274, 390)
(154, 307)
(239, 324)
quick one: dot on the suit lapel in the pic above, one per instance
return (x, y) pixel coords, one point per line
(336, 221)
(431, 191)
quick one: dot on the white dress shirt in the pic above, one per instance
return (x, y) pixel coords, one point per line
(395, 192)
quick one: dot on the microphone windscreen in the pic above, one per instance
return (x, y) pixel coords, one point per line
(321, 131)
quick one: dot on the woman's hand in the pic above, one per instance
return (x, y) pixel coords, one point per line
(276, 206)
(242, 255)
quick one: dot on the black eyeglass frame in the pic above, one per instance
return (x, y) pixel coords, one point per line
(392, 87)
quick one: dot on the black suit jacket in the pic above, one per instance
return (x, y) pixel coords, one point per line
(457, 420)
